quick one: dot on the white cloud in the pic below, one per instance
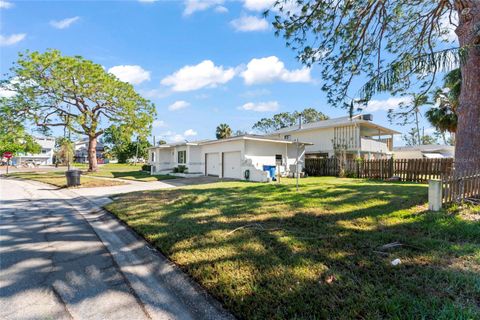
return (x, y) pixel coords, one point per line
(258, 5)
(202, 96)
(132, 74)
(147, 1)
(171, 136)
(387, 104)
(429, 131)
(190, 133)
(177, 105)
(192, 6)
(204, 74)
(269, 69)
(5, 4)
(65, 23)
(249, 23)
(176, 138)
(11, 39)
(260, 106)
(291, 6)
(5, 93)
(255, 93)
(155, 93)
(159, 124)
(448, 25)
(221, 9)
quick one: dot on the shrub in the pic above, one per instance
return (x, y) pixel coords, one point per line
(182, 169)
(146, 167)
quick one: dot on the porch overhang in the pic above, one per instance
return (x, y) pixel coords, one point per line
(369, 129)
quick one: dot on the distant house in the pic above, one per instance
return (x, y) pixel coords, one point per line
(358, 136)
(45, 157)
(81, 151)
(429, 151)
(241, 157)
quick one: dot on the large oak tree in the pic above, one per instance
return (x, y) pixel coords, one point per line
(53, 90)
(392, 45)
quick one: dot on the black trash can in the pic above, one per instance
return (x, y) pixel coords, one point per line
(73, 177)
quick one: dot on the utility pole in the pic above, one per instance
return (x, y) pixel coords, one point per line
(297, 173)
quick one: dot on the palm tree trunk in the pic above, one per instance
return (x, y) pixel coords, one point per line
(467, 147)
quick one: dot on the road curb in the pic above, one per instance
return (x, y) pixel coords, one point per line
(165, 291)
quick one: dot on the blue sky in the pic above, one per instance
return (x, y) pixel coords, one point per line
(201, 62)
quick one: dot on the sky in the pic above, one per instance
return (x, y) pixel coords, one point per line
(202, 62)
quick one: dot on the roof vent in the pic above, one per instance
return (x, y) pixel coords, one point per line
(367, 117)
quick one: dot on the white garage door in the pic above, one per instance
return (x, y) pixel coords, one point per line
(231, 165)
(213, 164)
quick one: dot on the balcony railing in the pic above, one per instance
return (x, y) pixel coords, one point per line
(371, 145)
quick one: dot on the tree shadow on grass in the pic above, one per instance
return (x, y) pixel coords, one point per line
(314, 254)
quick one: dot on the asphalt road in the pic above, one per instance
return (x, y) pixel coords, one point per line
(61, 259)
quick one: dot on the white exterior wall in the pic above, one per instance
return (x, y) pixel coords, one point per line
(254, 155)
(194, 159)
(167, 158)
(408, 154)
(260, 153)
(163, 159)
(219, 147)
(322, 139)
(371, 145)
(45, 157)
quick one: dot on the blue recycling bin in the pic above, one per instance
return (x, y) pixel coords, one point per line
(272, 170)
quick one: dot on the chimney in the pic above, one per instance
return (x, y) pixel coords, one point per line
(300, 121)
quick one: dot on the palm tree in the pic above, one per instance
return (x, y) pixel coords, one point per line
(443, 116)
(418, 101)
(403, 115)
(223, 131)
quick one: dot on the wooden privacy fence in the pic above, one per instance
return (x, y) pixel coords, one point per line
(461, 186)
(418, 170)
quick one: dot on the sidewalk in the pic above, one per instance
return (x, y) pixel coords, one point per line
(161, 289)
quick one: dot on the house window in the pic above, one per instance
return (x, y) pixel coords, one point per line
(153, 156)
(287, 137)
(182, 156)
(278, 159)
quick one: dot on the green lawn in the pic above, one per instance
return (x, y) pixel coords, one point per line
(124, 171)
(58, 179)
(268, 252)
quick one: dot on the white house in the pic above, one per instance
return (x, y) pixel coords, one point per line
(424, 151)
(358, 136)
(241, 157)
(45, 157)
(81, 151)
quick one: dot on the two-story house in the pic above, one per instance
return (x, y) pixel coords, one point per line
(45, 157)
(357, 136)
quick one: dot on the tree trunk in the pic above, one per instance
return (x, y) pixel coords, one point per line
(92, 154)
(467, 147)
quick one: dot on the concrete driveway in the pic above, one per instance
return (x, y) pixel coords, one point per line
(62, 257)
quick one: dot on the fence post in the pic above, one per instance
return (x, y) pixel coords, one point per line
(390, 167)
(434, 194)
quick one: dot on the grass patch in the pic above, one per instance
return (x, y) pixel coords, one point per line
(268, 252)
(124, 171)
(58, 179)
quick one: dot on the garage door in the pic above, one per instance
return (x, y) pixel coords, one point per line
(213, 164)
(231, 165)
